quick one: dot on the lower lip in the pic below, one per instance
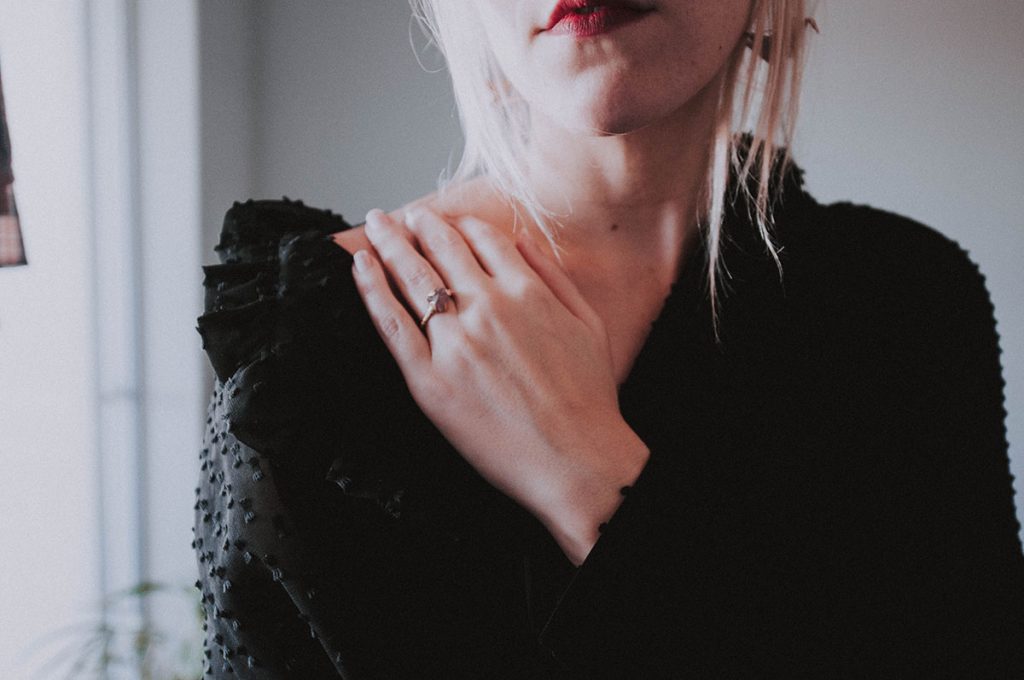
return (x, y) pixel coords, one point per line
(600, 21)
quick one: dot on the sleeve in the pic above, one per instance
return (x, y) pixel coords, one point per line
(634, 585)
(259, 591)
(269, 601)
(922, 573)
(654, 597)
(953, 536)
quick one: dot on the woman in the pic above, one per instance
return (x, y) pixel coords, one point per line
(622, 400)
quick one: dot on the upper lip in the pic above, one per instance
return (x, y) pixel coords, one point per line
(566, 6)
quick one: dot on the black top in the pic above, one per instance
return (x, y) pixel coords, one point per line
(828, 492)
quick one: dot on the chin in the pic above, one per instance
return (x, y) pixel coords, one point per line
(620, 123)
(603, 100)
(607, 116)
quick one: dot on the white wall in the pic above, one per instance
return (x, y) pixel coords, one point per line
(100, 407)
(228, 81)
(48, 502)
(346, 117)
(169, 226)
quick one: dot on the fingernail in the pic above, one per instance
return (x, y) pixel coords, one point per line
(362, 260)
(375, 218)
(413, 217)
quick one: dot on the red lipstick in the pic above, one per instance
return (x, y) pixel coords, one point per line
(582, 18)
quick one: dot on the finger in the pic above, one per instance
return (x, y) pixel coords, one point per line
(557, 280)
(396, 328)
(415, 276)
(495, 250)
(446, 249)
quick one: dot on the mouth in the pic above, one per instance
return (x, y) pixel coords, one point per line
(587, 7)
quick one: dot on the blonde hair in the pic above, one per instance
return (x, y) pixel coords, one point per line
(762, 74)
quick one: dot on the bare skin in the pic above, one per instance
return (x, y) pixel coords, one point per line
(599, 271)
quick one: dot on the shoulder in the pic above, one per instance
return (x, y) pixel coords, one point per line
(886, 287)
(285, 274)
(279, 272)
(876, 251)
(846, 252)
(253, 230)
(883, 241)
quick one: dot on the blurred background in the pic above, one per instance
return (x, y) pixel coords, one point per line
(134, 127)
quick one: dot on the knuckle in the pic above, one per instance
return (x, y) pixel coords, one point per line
(449, 237)
(523, 288)
(475, 320)
(420, 274)
(414, 216)
(477, 227)
(390, 327)
(442, 239)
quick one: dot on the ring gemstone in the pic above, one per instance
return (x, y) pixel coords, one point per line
(439, 298)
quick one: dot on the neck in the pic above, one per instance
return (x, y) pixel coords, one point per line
(639, 191)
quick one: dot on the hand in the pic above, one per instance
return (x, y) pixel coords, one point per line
(516, 373)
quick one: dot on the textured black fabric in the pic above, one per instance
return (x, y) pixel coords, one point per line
(828, 493)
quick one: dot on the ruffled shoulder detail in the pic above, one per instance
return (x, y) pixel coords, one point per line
(282, 316)
(253, 229)
(260, 273)
(261, 243)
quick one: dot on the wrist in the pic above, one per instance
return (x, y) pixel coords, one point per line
(594, 494)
